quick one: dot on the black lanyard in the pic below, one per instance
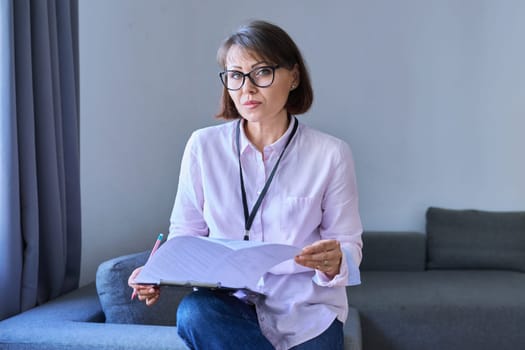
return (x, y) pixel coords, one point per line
(248, 217)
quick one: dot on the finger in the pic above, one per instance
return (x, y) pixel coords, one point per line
(148, 297)
(313, 248)
(327, 262)
(152, 300)
(320, 257)
(321, 246)
(133, 275)
(153, 297)
(319, 264)
(150, 290)
(141, 289)
(147, 292)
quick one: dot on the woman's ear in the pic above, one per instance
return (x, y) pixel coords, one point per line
(296, 77)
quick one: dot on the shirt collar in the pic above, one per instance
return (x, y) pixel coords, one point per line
(277, 146)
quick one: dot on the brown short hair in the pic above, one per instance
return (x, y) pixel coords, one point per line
(272, 44)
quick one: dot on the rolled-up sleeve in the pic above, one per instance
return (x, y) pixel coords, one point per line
(341, 219)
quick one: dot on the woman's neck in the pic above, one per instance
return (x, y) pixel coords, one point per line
(262, 134)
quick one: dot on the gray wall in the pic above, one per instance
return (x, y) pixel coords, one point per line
(429, 94)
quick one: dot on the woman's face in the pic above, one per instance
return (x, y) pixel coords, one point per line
(257, 104)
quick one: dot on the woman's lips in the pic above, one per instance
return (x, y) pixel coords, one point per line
(251, 104)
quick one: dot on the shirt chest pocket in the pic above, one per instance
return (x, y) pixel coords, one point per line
(300, 215)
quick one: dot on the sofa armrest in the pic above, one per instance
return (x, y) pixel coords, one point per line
(114, 293)
(394, 250)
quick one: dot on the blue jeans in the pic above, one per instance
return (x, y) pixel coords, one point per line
(209, 320)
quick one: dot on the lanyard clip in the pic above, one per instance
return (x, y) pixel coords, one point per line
(246, 235)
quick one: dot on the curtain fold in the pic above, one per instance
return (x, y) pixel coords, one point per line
(40, 183)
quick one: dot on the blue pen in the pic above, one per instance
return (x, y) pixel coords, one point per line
(155, 247)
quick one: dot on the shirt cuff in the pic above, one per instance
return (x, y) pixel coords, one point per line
(349, 274)
(354, 274)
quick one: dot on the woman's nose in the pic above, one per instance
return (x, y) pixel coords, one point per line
(249, 87)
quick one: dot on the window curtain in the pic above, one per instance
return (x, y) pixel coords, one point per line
(40, 233)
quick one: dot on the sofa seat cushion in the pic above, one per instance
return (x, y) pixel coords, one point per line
(441, 309)
(74, 321)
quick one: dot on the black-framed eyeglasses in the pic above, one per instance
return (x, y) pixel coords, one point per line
(261, 76)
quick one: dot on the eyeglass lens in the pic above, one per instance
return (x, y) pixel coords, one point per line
(261, 77)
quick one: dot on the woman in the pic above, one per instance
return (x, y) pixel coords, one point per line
(266, 177)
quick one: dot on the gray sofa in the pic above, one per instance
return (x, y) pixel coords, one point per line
(460, 285)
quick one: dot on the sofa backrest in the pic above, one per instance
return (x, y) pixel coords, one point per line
(394, 250)
(475, 239)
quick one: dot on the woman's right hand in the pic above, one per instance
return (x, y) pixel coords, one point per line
(146, 293)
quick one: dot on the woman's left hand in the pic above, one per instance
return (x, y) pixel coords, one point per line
(324, 255)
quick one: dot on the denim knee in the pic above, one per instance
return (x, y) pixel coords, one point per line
(213, 320)
(198, 309)
(188, 311)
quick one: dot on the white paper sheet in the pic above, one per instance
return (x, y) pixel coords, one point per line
(201, 261)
